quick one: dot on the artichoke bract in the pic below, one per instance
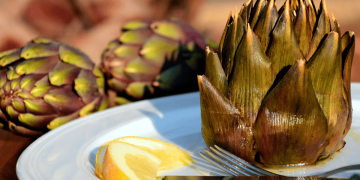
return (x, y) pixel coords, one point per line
(277, 93)
(46, 84)
(154, 58)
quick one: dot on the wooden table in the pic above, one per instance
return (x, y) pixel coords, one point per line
(11, 146)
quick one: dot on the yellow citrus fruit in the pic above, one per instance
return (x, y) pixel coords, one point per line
(125, 161)
(171, 156)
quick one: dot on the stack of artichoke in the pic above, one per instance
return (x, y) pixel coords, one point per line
(153, 59)
(46, 84)
(278, 91)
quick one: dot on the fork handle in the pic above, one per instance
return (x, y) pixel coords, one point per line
(342, 169)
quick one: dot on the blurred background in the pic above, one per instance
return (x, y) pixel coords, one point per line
(90, 24)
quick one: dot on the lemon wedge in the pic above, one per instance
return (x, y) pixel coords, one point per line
(171, 156)
(125, 161)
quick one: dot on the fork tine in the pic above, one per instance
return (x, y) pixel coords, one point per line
(244, 163)
(229, 165)
(210, 159)
(236, 164)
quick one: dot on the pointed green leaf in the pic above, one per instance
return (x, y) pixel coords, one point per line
(121, 101)
(266, 23)
(256, 12)
(223, 36)
(36, 121)
(168, 29)
(321, 29)
(328, 85)
(283, 49)
(86, 87)
(42, 86)
(37, 65)
(139, 89)
(63, 73)
(312, 14)
(291, 127)
(157, 49)
(10, 56)
(140, 70)
(303, 29)
(347, 49)
(90, 107)
(63, 100)
(251, 78)
(214, 72)
(62, 120)
(75, 57)
(11, 74)
(18, 104)
(135, 36)
(222, 124)
(13, 114)
(15, 84)
(127, 51)
(117, 85)
(133, 25)
(34, 50)
(23, 131)
(38, 107)
(28, 82)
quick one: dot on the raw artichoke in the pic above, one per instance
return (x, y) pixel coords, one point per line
(278, 91)
(46, 84)
(152, 59)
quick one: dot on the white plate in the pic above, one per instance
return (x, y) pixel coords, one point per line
(68, 152)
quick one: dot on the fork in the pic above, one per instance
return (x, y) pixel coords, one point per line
(239, 167)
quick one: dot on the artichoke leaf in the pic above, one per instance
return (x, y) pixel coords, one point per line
(223, 36)
(233, 37)
(156, 49)
(139, 90)
(290, 128)
(36, 121)
(90, 107)
(126, 51)
(139, 36)
(42, 86)
(63, 74)
(140, 70)
(75, 57)
(251, 77)
(329, 88)
(63, 100)
(320, 30)
(133, 25)
(62, 120)
(38, 107)
(214, 72)
(28, 82)
(283, 50)
(169, 29)
(222, 124)
(312, 14)
(266, 23)
(23, 131)
(3, 78)
(35, 50)
(86, 87)
(37, 65)
(256, 12)
(347, 49)
(117, 85)
(303, 28)
(13, 114)
(9, 57)
(18, 104)
(11, 74)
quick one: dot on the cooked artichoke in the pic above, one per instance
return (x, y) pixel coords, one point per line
(278, 91)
